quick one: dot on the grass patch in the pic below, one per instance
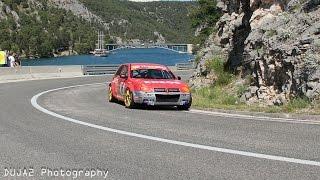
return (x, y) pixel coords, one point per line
(297, 104)
(219, 98)
(219, 94)
(271, 33)
(212, 96)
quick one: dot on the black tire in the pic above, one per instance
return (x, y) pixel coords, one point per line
(184, 107)
(111, 98)
(128, 100)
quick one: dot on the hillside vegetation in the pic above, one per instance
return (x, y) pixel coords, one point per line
(42, 28)
(138, 20)
(204, 18)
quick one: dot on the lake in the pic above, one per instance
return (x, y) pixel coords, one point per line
(151, 55)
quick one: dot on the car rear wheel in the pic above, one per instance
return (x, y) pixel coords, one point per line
(128, 99)
(111, 98)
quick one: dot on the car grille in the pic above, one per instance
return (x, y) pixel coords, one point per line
(166, 90)
(159, 90)
(173, 90)
(167, 98)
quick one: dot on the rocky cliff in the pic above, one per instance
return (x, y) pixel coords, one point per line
(274, 43)
(79, 9)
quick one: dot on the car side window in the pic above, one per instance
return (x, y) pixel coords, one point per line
(124, 71)
(119, 71)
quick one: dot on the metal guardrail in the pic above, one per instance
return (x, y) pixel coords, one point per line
(112, 68)
(185, 66)
(100, 69)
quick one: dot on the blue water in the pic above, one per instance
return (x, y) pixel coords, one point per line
(155, 55)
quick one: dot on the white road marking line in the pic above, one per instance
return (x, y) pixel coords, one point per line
(180, 143)
(257, 118)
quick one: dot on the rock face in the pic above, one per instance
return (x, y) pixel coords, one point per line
(6, 10)
(75, 6)
(80, 10)
(275, 42)
(160, 38)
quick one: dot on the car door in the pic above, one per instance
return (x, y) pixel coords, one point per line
(122, 81)
(115, 82)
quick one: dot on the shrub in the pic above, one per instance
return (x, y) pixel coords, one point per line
(241, 89)
(217, 66)
(197, 59)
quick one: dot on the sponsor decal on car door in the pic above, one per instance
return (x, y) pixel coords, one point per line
(122, 81)
(122, 88)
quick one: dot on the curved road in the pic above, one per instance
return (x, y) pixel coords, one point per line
(30, 138)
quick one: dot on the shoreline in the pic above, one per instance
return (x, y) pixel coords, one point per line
(63, 54)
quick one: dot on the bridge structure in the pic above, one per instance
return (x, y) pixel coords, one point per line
(179, 48)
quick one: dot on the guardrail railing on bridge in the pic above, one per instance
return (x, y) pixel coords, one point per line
(99, 69)
(112, 68)
(185, 66)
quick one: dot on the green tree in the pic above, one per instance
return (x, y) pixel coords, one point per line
(206, 15)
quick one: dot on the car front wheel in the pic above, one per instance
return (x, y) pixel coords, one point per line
(184, 107)
(128, 100)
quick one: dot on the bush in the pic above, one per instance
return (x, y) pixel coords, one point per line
(241, 89)
(217, 66)
(197, 59)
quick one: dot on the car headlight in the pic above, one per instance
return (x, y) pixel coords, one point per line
(185, 89)
(146, 89)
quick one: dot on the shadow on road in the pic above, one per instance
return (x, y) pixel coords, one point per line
(151, 108)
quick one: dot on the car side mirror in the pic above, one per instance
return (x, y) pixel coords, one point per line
(179, 78)
(123, 76)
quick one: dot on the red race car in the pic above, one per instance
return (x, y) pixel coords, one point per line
(149, 84)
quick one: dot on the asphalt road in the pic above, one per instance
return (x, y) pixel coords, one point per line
(30, 138)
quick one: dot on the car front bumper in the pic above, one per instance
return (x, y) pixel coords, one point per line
(162, 98)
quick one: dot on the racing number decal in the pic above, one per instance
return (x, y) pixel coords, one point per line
(122, 88)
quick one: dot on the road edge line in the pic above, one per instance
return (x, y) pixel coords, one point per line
(252, 117)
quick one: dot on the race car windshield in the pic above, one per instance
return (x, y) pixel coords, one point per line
(151, 74)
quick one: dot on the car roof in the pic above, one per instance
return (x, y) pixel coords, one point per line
(145, 64)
